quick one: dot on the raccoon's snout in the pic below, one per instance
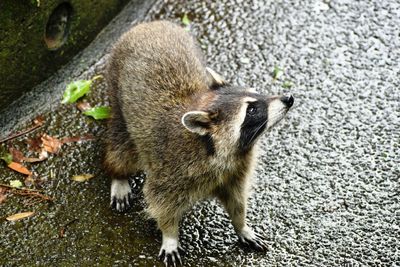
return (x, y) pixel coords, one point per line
(288, 100)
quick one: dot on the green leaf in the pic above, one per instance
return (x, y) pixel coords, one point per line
(7, 157)
(99, 113)
(276, 72)
(287, 85)
(16, 183)
(185, 20)
(76, 90)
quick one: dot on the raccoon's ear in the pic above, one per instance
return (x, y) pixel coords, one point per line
(216, 79)
(196, 122)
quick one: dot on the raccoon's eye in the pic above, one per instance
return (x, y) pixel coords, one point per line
(251, 110)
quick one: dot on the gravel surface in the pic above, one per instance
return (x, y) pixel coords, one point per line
(326, 191)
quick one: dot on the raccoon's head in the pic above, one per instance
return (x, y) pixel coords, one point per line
(233, 118)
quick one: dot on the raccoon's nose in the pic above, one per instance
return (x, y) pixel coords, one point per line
(287, 100)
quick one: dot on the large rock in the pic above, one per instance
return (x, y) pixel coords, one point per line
(37, 37)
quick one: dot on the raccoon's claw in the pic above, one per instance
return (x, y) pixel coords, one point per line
(121, 195)
(256, 243)
(253, 240)
(170, 258)
(169, 252)
(122, 205)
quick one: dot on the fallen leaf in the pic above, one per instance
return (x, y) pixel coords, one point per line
(61, 234)
(99, 113)
(7, 157)
(34, 144)
(76, 90)
(51, 144)
(97, 77)
(42, 156)
(3, 198)
(20, 216)
(77, 138)
(17, 155)
(39, 120)
(29, 181)
(33, 160)
(83, 105)
(82, 177)
(64, 228)
(16, 183)
(185, 20)
(287, 85)
(19, 168)
(277, 72)
(3, 195)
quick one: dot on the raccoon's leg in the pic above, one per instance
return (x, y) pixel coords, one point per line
(121, 161)
(120, 164)
(234, 198)
(167, 210)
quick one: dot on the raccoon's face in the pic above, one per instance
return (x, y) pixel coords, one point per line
(262, 113)
(233, 117)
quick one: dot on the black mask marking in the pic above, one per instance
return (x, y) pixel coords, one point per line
(254, 124)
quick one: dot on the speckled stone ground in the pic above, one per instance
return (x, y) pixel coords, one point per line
(326, 191)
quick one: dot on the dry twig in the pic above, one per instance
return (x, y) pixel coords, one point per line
(37, 123)
(32, 193)
(61, 234)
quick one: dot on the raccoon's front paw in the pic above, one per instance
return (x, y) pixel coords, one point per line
(169, 252)
(249, 238)
(121, 195)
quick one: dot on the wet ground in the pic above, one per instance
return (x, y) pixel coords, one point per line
(326, 191)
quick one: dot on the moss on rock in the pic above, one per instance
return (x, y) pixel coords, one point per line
(26, 58)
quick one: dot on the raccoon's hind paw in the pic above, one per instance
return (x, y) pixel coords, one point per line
(121, 195)
(254, 240)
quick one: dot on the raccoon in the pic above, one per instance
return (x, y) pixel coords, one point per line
(191, 132)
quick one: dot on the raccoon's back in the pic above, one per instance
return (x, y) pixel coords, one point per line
(157, 62)
(153, 72)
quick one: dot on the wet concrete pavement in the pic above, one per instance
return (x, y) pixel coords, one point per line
(326, 191)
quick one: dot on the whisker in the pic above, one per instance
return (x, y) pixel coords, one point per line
(252, 137)
(276, 118)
